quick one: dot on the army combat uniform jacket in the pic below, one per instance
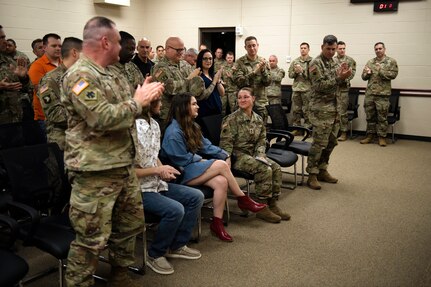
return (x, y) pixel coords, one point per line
(100, 112)
(379, 81)
(174, 76)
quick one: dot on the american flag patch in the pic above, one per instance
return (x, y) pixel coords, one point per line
(80, 86)
(43, 89)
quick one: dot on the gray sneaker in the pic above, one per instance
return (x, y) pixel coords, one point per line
(160, 265)
(184, 253)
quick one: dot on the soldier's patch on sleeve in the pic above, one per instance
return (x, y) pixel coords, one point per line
(80, 86)
(43, 89)
(90, 96)
(158, 74)
(46, 99)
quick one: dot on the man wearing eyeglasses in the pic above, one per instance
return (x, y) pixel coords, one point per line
(379, 72)
(252, 71)
(142, 59)
(177, 75)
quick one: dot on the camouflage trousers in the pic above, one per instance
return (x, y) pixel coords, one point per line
(301, 108)
(229, 100)
(376, 111)
(267, 178)
(343, 103)
(106, 211)
(325, 133)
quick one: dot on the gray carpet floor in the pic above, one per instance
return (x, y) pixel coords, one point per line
(373, 228)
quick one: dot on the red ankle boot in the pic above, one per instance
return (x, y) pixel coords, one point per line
(217, 229)
(245, 202)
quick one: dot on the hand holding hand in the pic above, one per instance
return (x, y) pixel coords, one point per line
(167, 172)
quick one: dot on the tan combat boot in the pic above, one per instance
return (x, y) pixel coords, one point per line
(368, 139)
(272, 202)
(326, 177)
(267, 215)
(313, 183)
(343, 137)
(120, 278)
(382, 141)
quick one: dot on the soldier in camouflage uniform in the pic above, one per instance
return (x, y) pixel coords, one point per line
(273, 91)
(13, 81)
(230, 88)
(176, 74)
(49, 92)
(379, 72)
(252, 71)
(326, 76)
(298, 71)
(106, 206)
(344, 88)
(243, 136)
(218, 61)
(14, 53)
(125, 67)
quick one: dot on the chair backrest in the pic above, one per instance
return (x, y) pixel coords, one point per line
(394, 99)
(353, 99)
(278, 117)
(212, 125)
(286, 97)
(36, 176)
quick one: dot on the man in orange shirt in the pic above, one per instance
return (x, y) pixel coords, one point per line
(49, 61)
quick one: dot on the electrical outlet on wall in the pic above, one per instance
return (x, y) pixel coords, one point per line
(288, 59)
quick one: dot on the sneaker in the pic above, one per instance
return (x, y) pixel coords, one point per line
(184, 253)
(160, 265)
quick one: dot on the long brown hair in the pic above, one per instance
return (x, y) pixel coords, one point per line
(180, 111)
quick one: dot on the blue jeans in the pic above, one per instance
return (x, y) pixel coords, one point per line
(178, 209)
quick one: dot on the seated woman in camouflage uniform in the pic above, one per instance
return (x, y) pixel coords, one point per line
(183, 145)
(244, 136)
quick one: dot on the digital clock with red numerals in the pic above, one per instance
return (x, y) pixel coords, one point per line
(384, 6)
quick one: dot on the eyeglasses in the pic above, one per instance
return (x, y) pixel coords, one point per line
(207, 59)
(179, 51)
(146, 47)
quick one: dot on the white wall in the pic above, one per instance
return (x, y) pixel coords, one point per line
(279, 25)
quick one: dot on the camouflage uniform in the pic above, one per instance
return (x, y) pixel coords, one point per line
(130, 71)
(244, 76)
(106, 205)
(376, 101)
(230, 90)
(273, 91)
(323, 112)
(218, 63)
(20, 54)
(10, 101)
(245, 138)
(174, 76)
(301, 91)
(55, 113)
(344, 91)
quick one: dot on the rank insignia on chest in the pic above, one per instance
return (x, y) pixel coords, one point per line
(46, 99)
(80, 86)
(90, 96)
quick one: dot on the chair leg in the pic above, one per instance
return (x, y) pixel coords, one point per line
(351, 129)
(60, 272)
(393, 136)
